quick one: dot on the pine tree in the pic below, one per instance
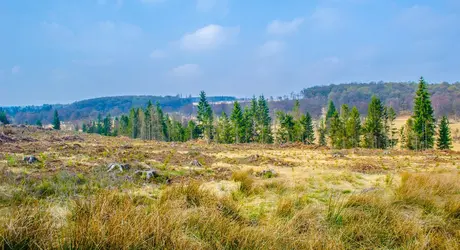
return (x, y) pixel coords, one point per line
(39, 123)
(56, 121)
(205, 116)
(84, 128)
(336, 130)
(162, 123)
(374, 136)
(192, 131)
(107, 124)
(147, 125)
(408, 136)
(134, 118)
(263, 121)
(393, 130)
(322, 131)
(225, 129)
(248, 122)
(237, 122)
(286, 131)
(445, 138)
(308, 133)
(330, 111)
(3, 117)
(424, 122)
(353, 128)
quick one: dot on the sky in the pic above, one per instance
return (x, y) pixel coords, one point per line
(60, 51)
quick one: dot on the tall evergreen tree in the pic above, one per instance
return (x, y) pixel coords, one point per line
(445, 138)
(286, 131)
(3, 117)
(248, 121)
(205, 116)
(193, 131)
(353, 128)
(322, 132)
(263, 121)
(330, 110)
(374, 136)
(336, 134)
(225, 129)
(56, 121)
(408, 138)
(308, 133)
(237, 122)
(39, 123)
(424, 122)
(135, 124)
(107, 124)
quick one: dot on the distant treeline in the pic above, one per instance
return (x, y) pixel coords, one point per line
(344, 128)
(445, 99)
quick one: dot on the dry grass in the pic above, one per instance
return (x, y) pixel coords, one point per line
(366, 200)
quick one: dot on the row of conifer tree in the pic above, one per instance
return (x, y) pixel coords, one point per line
(338, 128)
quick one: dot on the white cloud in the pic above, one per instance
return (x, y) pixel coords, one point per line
(186, 70)
(157, 54)
(326, 18)
(209, 37)
(271, 48)
(15, 70)
(278, 27)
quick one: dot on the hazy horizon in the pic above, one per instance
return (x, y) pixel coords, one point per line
(65, 51)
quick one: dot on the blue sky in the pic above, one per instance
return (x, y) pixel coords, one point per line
(59, 51)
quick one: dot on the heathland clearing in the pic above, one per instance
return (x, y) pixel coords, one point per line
(308, 197)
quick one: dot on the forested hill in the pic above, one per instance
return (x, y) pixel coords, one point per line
(445, 99)
(91, 108)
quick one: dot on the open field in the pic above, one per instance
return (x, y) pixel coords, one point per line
(312, 198)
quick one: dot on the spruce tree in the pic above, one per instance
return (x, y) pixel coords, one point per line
(263, 121)
(107, 124)
(192, 131)
(205, 116)
(353, 128)
(336, 130)
(56, 121)
(424, 122)
(3, 117)
(330, 111)
(237, 121)
(248, 121)
(322, 132)
(134, 117)
(286, 131)
(225, 129)
(308, 133)
(39, 123)
(374, 136)
(408, 136)
(444, 139)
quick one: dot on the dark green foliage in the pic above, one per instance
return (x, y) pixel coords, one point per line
(263, 121)
(336, 131)
(445, 138)
(286, 130)
(3, 117)
(205, 116)
(330, 110)
(39, 123)
(56, 121)
(238, 123)
(353, 128)
(322, 131)
(135, 123)
(193, 132)
(424, 122)
(374, 134)
(249, 125)
(224, 130)
(308, 133)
